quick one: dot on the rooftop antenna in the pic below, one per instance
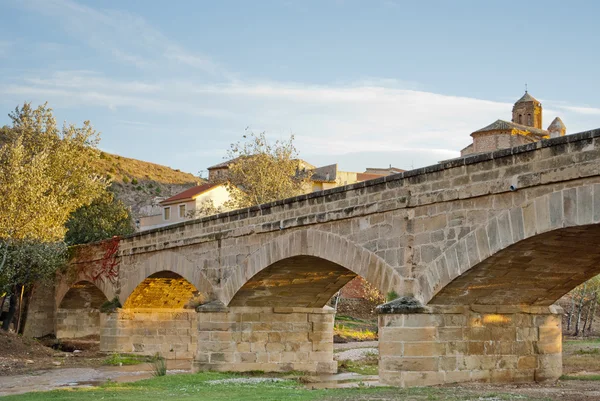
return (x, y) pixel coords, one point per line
(525, 87)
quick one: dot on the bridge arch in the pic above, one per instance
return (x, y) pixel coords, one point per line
(65, 287)
(331, 257)
(507, 253)
(78, 310)
(162, 290)
(83, 294)
(165, 261)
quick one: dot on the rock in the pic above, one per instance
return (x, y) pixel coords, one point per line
(29, 361)
(402, 305)
(56, 363)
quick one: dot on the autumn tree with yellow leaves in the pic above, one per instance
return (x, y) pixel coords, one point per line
(46, 174)
(263, 172)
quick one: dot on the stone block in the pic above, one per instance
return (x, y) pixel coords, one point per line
(407, 334)
(274, 347)
(326, 327)
(326, 367)
(553, 347)
(457, 347)
(322, 346)
(550, 334)
(258, 346)
(391, 348)
(434, 378)
(409, 364)
(274, 357)
(527, 362)
(450, 333)
(454, 320)
(457, 376)
(320, 356)
(422, 320)
(424, 349)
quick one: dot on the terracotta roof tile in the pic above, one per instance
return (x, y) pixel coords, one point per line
(500, 125)
(367, 176)
(189, 193)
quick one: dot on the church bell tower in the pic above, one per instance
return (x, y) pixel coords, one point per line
(527, 111)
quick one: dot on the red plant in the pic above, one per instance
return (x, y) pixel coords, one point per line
(109, 264)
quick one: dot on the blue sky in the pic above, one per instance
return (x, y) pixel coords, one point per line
(361, 83)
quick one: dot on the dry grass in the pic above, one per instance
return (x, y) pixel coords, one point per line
(581, 355)
(122, 169)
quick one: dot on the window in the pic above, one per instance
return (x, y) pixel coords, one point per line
(167, 213)
(520, 119)
(529, 120)
(181, 211)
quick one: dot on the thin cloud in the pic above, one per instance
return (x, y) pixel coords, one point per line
(592, 111)
(126, 37)
(334, 120)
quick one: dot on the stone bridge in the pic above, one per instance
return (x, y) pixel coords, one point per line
(477, 250)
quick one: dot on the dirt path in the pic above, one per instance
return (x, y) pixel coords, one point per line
(44, 380)
(355, 345)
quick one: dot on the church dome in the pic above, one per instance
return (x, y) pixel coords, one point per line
(557, 128)
(556, 123)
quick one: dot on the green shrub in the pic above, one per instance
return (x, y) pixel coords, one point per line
(126, 180)
(134, 181)
(139, 188)
(124, 359)
(159, 366)
(391, 296)
(110, 306)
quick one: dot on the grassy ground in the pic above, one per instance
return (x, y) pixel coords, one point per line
(127, 359)
(348, 328)
(215, 386)
(581, 356)
(369, 365)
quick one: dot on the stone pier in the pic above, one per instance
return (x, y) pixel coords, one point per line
(436, 344)
(75, 323)
(271, 339)
(171, 332)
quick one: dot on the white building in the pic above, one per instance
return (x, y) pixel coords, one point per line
(182, 206)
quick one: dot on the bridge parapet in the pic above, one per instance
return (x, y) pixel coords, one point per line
(547, 161)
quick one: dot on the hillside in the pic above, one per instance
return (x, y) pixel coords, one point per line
(138, 183)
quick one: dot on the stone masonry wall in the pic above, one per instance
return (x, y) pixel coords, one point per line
(449, 344)
(75, 323)
(171, 332)
(270, 339)
(41, 313)
(398, 225)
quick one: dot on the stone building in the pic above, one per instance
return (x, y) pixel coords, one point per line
(525, 127)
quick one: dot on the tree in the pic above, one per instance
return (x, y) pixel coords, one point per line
(28, 261)
(584, 299)
(45, 175)
(206, 208)
(105, 217)
(262, 173)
